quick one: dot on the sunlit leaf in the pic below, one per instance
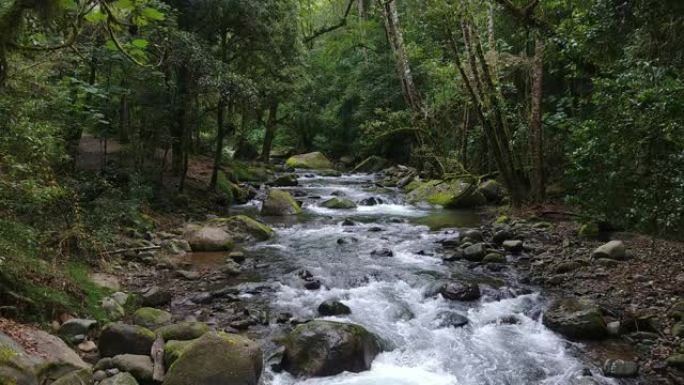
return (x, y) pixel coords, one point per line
(140, 43)
(152, 14)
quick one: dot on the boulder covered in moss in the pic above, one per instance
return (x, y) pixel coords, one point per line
(491, 190)
(338, 203)
(325, 348)
(151, 318)
(250, 172)
(120, 338)
(447, 193)
(244, 228)
(576, 318)
(311, 161)
(217, 358)
(373, 163)
(280, 203)
(208, 238)
(183, 331)
(16, 367)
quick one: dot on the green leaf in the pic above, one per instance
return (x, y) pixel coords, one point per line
(152, 14)
(124, 5)
(140, 43)
(110, 45)
(96, 16)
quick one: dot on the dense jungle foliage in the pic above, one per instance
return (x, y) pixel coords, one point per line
(579, 102)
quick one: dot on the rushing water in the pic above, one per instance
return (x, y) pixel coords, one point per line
(387, 295)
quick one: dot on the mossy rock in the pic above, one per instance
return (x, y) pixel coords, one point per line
(245, 227)
(311, 161)
(173, 349)
(373, 163)
(224, 186)
(326, 348)
(217, 358)
(503, 219)
(491, 190)
(250, 171)
(119, 338)
(576, 318)
(450, 194)
(339, 203)
(588, 230)
(494, 258)
(183, 331)
(280, 203)
(120, 379)
(414, 184)
(16, 367)
(77, 377)
(150, 317)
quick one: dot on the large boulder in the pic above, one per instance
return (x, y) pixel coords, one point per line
(183, 331)
(16, 367)
(244, 228)
(77, 377)
(57, 359)
(208, 238)
(612, 250)
(71, 330)
(312, 160)
(217, 359)
(285, 180)
(491, 190)
(576, 318)
(119, 338)
(151, 318)
(280, 203)
(325, 348)
(450, 194)
(458, 291)
(371, 164)
(140, 366)
(339, 203)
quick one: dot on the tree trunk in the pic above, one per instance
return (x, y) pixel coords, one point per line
(220, 134)
(536, 129)
(179, 128)
(271, 127)
(395, 36)
(123, 114)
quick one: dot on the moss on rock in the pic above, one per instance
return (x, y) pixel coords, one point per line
(150, 317)
(451, 194)
(312, 161)
(280, 203)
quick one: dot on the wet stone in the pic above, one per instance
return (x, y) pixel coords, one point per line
(382, 252)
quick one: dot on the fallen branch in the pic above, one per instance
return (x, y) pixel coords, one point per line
(136, 249)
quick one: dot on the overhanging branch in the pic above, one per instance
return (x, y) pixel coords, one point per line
(342, 23)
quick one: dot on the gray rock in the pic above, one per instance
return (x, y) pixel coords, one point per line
(217, 359)
(119, 338)
(120, 379)
(473, 234)
(151, 318)
(382, 252)
(156, 296)
(452, 319)
(77, 377)
(208, 238)
(475, 252)
(285, 180)
(183, 331)
(501, 236)
(140, 366)
(76, 327)
(576, 318)
(338, 203)
(513, 245)
(331, 308)
(620, 368)
(613, 250)
(325, 348)
(458, 291)
(99, 375)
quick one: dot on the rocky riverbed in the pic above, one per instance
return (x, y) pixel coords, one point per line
(329, 278)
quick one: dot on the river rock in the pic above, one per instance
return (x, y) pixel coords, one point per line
(332, 308)
(151, 318)
(473, 234)
(494, 258)
(576, 318)
(312, 161)
(140, 366)
(74, 327)
(119, 338)
(373, 163)
(182, 331)
(285, 180)
(338, 203)
(513, 245)
(382, 252)
(156, 296)
(613, 250)
(451, 194)
(325, 348)
(217, 358)
(620, 368)
(120, 379)
(372, 201)
(113, 309)
(208, 238)
(173, 349)
(502, 235)
(244, 228)
(458, 291)
(475, 252)
(452, 319)
(280, 203)
(77, 377)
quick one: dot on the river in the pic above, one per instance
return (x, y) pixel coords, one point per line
(504, 341)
